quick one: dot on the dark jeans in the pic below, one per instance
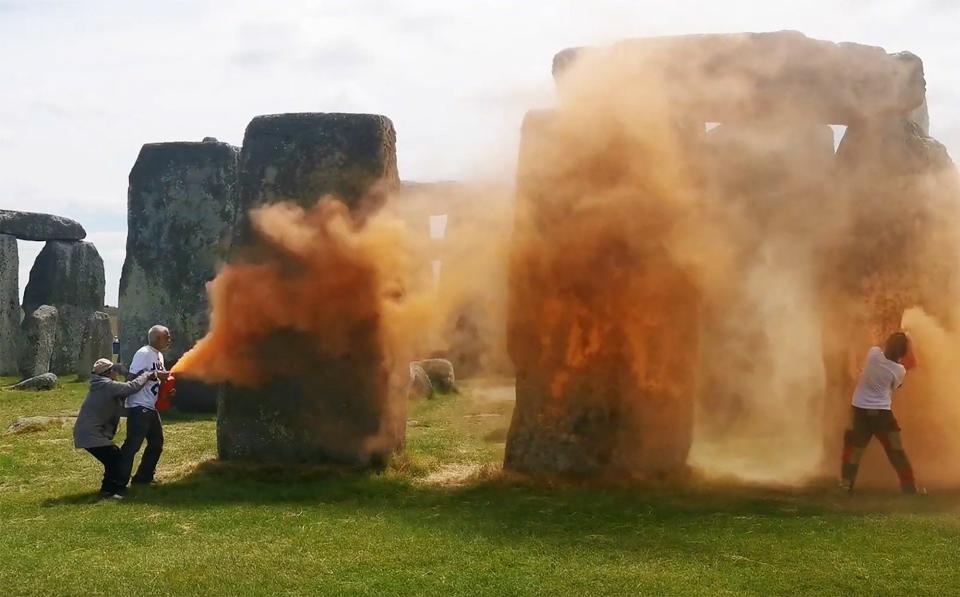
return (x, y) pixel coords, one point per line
(109, 456)
(864, 425)
(142, 424)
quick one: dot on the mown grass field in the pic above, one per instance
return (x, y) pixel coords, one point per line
(441, 521)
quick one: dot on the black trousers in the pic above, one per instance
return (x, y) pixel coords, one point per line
(142, 424)
(109, 456)
(864, 425)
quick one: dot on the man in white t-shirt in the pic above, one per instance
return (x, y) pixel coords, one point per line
(883, 373)
(143, 420)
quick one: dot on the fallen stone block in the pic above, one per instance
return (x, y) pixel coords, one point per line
(35, 424)
(420, 386)
(440, 372)
(46, 381)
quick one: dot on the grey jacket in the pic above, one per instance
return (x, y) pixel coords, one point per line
(101, 409)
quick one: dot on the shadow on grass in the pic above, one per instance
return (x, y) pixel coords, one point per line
(668, 521)
(507, 510)
(515, 500)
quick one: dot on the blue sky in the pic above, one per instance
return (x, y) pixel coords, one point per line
(85, 84)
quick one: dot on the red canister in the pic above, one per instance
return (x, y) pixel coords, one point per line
(164, 400)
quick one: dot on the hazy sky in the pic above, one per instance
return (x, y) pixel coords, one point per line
(85, 84)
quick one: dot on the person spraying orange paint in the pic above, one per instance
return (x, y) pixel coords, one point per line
(883, 373)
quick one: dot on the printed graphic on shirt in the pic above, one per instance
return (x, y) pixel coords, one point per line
(146, 359)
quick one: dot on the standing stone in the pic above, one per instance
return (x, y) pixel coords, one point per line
(97, 343)
(322, 408)
(181, 209)
(68, 276)
(302, 157)
(38, 333)
(195, 396)
(27, 225)
(9, 304)
(603, 332)
(896, 179)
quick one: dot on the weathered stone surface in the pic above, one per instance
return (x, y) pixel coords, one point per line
(420, 386)
(68, 276)
(45, 381)
(194, 396)
(890, 147)
(759, 164)
(97, 343)
(747, 76)
(605, 378)
(9, 304)
(302, 157)
(38, 335)
(181, 209)
(320, 408)
(921, 117)
(440, 372)
(323, 418)
(38, 423)
(894, 178)
(27, 225)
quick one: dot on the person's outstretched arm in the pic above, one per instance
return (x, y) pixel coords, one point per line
(122, 390)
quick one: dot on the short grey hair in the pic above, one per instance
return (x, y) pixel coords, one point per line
(155, 331)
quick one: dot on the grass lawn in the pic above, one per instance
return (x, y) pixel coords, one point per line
(441, 520)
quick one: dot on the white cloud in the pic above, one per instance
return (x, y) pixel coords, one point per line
(87, 83)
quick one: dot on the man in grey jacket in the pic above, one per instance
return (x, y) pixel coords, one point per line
(98, 420)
